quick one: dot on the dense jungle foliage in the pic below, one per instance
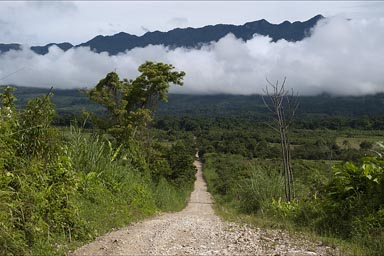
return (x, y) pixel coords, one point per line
(63, 186)
(337, 164)
(315, 112)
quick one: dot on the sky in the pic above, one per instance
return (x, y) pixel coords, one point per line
(341, 57)
(43, 22)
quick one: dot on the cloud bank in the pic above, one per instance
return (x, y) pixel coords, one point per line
(340, 58)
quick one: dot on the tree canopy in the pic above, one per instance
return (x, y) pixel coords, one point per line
(130, 104)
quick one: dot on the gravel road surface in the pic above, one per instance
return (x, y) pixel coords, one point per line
(198, 231)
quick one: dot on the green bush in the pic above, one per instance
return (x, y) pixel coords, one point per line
(180, 159)
(248, 186)
(259, 189)
(345, 202)
(57, 191)
(350, 205)
(37, 181)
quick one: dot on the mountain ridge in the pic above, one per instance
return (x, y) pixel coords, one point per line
(185, 37)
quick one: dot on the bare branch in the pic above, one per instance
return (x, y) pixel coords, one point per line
(267, 105)
(284, 106)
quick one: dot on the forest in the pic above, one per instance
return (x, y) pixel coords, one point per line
(75, 164)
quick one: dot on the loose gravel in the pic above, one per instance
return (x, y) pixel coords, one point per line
(198, 231)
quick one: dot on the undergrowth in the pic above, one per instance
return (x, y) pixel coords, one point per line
(61, 190)
(342, 208)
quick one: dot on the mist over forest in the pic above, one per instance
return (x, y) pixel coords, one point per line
(101, 134)
(340, 57)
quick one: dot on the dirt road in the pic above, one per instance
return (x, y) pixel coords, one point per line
(198, 231)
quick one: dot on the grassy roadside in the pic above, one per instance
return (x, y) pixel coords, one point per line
(228, 213)
(235, 202)
(118, 187)
(89, 187)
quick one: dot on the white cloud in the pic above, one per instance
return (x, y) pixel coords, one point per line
(341, 57)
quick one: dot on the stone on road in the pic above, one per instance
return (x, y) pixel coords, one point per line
(198, 231)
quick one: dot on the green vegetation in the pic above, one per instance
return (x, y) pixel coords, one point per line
(337, 173)
(60, 188)
(62, 185)
(130, 104)
(321, 111)
(345, 204)
(339, 189)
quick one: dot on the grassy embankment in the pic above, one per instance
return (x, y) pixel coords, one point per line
(62, 188)
(251, 191)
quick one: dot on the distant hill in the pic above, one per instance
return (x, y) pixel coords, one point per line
(186, 37)
(73, 102)
(44, 49)
(8, 47)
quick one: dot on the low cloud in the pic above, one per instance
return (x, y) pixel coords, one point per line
(341, 58)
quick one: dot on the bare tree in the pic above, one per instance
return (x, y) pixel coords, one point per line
(283, 106)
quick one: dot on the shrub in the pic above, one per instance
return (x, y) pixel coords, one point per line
(37, 181)
(259, 189)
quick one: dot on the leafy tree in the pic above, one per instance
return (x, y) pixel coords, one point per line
(37, 138)
(131, 103)
(180, 160)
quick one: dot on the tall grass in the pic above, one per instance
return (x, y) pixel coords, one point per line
(112, 191)
(57, 192)
(257, 191)
(342, 207)
(169, 198)
(115, 192)
(90, 188)
(239, 182)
